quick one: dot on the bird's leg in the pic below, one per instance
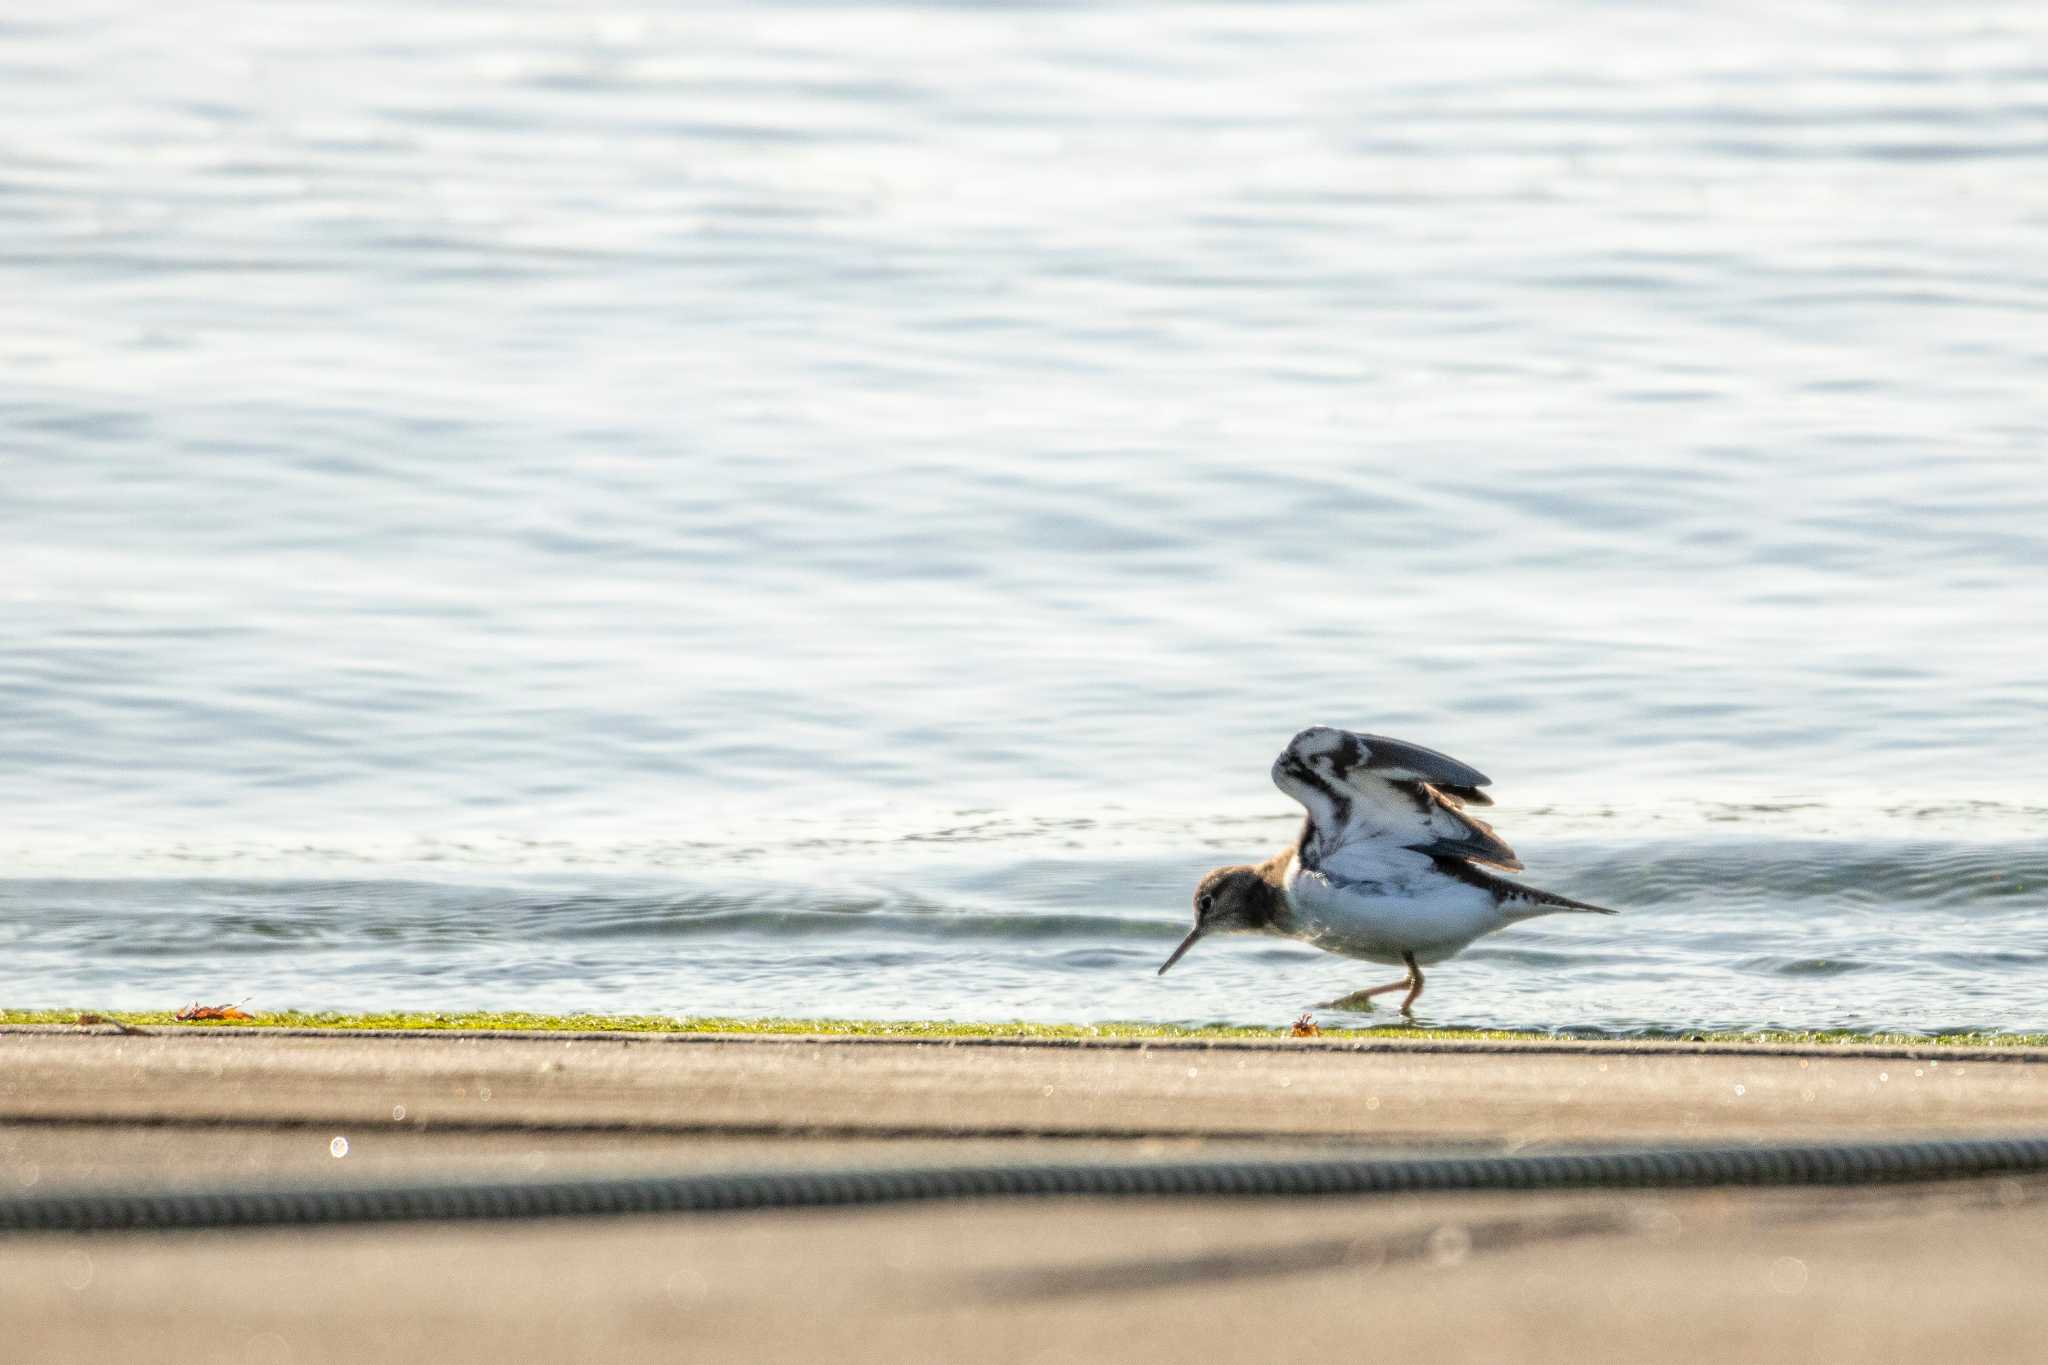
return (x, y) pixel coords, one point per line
(1414, 984)
(1362, 1000)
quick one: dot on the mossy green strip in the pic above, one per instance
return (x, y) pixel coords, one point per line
(497, 1021)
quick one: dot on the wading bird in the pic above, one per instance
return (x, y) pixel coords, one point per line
(1388, 868)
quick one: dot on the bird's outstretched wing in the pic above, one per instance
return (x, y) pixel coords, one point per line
(1371, 789)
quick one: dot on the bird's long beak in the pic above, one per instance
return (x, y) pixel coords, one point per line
(1180, 952)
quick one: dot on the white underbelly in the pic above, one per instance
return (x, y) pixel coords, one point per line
(1434, 922)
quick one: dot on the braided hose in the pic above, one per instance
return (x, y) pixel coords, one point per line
(1644, 1169)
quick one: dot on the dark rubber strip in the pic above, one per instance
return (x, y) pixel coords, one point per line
(1561, 1045)
(1653, 1168)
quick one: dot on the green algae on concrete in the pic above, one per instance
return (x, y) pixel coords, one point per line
(521, 1022)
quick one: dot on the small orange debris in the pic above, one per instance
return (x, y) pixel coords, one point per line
(197, 1012)
(1305, 1027)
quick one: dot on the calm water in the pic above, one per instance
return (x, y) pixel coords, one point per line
(820, 509)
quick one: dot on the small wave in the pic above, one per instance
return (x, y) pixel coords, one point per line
(675, 920)
(1805, 966)
(1935, 875)
(1714, 933)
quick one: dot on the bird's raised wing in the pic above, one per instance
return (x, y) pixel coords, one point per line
(1368, 788)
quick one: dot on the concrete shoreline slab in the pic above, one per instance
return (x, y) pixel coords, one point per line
(1878, 1275)
(1394, 1094)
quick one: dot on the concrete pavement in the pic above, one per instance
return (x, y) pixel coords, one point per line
(1870, 1276)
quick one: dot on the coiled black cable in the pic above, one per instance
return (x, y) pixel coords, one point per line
(1651, 1168)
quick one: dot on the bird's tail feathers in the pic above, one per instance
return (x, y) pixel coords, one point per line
(1517, 902)
(1527, 903)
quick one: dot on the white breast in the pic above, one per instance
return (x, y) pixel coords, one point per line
(1401, 909)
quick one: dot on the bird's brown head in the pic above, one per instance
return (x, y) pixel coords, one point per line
(1230, 900)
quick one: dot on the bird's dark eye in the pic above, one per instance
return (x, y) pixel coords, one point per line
(1202, 904)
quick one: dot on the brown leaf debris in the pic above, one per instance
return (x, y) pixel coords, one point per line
(196, 1012)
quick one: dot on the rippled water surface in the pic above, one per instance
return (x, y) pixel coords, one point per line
(825, 509)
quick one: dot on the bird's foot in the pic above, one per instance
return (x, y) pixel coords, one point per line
(1358, 1002)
